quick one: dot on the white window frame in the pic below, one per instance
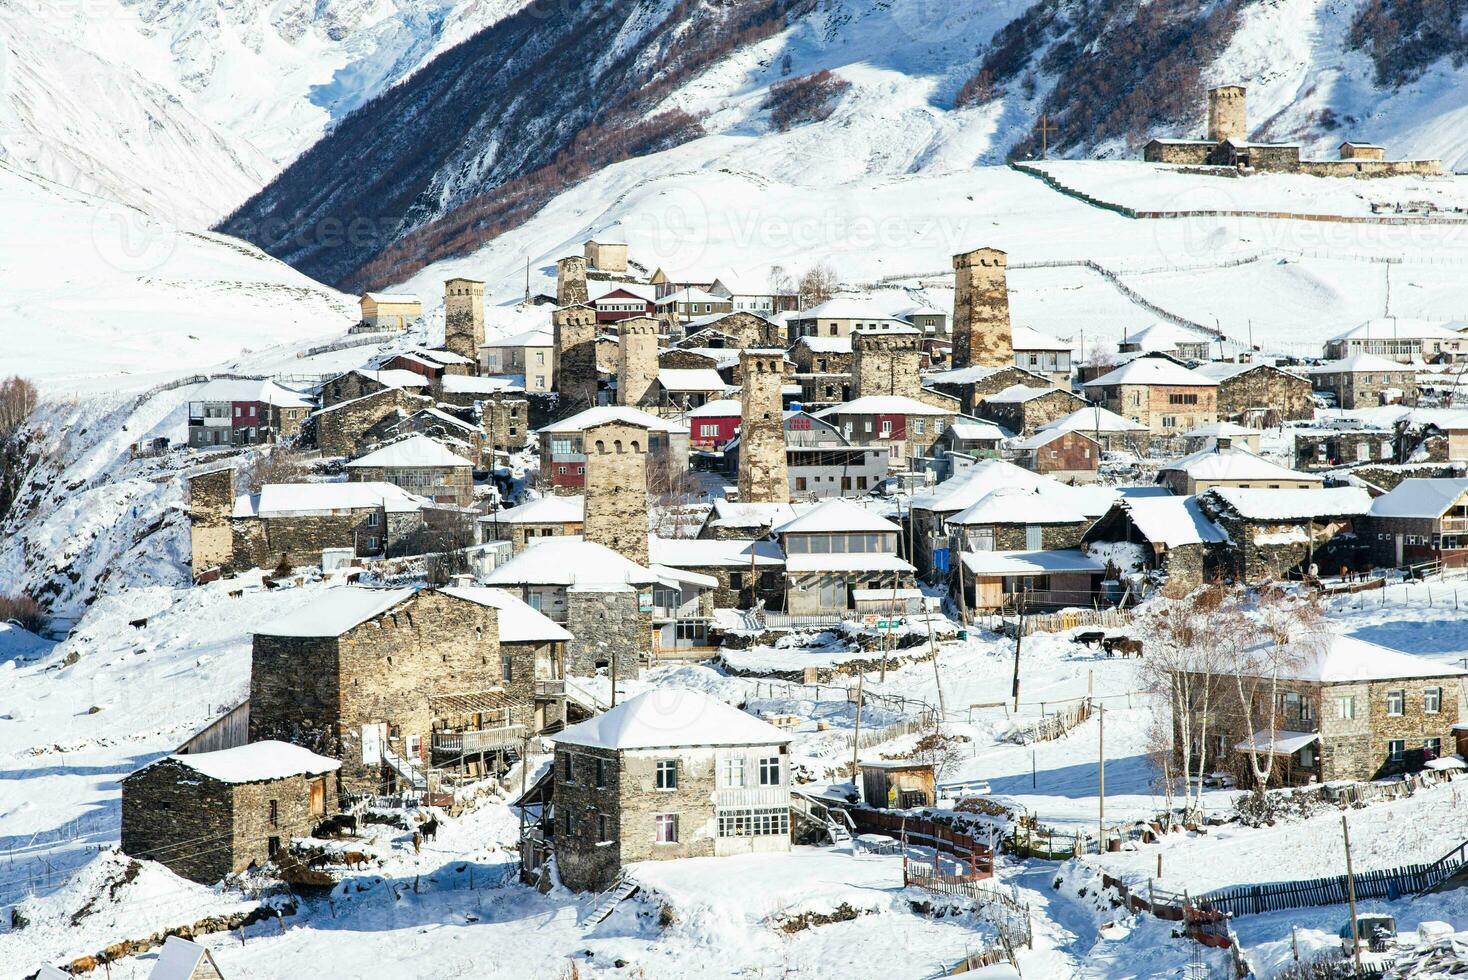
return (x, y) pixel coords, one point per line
(665, 775)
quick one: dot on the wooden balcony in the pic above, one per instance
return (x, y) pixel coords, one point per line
(484, 740)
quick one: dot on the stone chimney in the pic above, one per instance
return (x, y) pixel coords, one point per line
(211, 506)
(463, 318)
(637, 362)
(886, 362)
(571, 280)
(763, 474)
(616, 488)
(981, 333)
(575, 354)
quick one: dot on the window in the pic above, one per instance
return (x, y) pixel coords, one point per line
(1396, 750)
(667, 774)
(601, 774)
(734, 773)
(920, 426)
(274, 813)
(272, 846)
(800, 483)
(373, 520)
(754, 822)
(1176, 398)
(706, 430)
(736, 580)
(886, 428)
(666, 825)
(1431, 748)
(603, 827)
(769, 771)
(1432, 700)
(1396, 702)
(568, 769)
(570, 824)
(507, 667)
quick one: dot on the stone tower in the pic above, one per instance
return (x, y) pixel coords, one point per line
(616, 488)
(575, 368)
(981, 335)
(637, 361)
(1226, 115)
(763, 477)
(463, 317)
(571, 280)
(886, 362)
(211, 504)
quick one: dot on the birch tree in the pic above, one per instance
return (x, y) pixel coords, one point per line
(1284, 633)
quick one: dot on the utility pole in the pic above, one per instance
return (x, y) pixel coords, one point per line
(1019, 634)
(1045, 130)
(856, 735)
(1101, 770)
(933, 651)
(1351, 895)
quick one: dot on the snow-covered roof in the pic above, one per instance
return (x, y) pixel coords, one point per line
(392, 298)
(851, 562)
(599, 289)
(974, 483)
(845, 308)
(335, 611)
(550, 509)
(1420, 497)
(1029, 562)
(179, 958)
(884, 405)
(392, 377)
(518, 622)
(1043, 437)
(691, 294)
(1153, 371)
(691, 379)
(437, 355)
(1223, 370)
(1235, 463)
(1399, 328)
(1025, 338)
(416, 450)
(287, 499)
(827, 345)
(1228, 430)
(467, 384)
(535, 337)
(1172, 521)
(1165, 336)
(1094, 419)
(256, 762)
(718, 408)
(1021, 505)
(706, 553)
(239, 390)
(671, 718)
(728, 513)
(1335, 658)
(836, 515)
(447, 419)
(964, 375)
(609, 236)
(1016, 394)
(582, 421)
(1263, 504)
(977, 429)
(570, 561)
(1358, 363)
(1281, 743)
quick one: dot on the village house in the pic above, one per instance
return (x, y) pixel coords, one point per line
(179, 959)
(713, 424)
(840, 317)
(1273, 535)
(1022, 409)
(551, 516)
(228, 412)
(1159, 393)
(563, 456)
(932, 321)
(836, 547)
(615, 302)
(1146, 540)
(389, 311)
(342, 428)
(367, 676)
(357, 383)
(669, 281)
(1259, 394)
(819, 461)
(682, 610)
(1364, 381)
(1342, 709)
(972, 384)
(1029, 580)
(1018, 519)
(1167, 338)
(1420, 521)
(420, 466)
(1112, 432)
(905, 427)
(433, 365)
(1206, 437)
(1227, 465)
(740, 329)
(668, 774)
(1065, 455)
(680, 390)
(1341, 443)
(1039, 354)
(605, 253)
(972, 438)
(529, 356)
(823, 370)
(749, 295)
(898, 784)
(747, 571)
(1400, 339)
(463, 391)
(457, 434)
(730, 520)
(245, 803)
(689, 303)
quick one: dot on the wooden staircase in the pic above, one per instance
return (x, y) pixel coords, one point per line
(621, 889)
(1451, 865)
(833, 822)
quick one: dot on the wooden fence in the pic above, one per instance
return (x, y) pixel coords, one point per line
(1051, 727)
(1059, 622)
(1272, 896)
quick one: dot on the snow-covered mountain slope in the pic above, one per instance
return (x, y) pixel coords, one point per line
(94, 295)
(185, 109)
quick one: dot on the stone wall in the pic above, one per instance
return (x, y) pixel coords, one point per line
(340, 429)
(1363, 389)
(211, 505)
(349, 387)
(575, 369)
(606, 626)
(886, 364)
(971, 393)
(463, 317)
(505, 418)
(637, 362)
(981, 332)
(763, 467)
(1265, 395)
(1192, 153)
(1372, 168)
(1024, 418)
(523, 535)
(1015, 537)
(692, 802)
(443, 484)
(616, 488)
(571, 281)
(261, 542)
(584, 862)
(1358, 748)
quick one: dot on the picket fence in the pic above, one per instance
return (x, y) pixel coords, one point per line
(1051, 727)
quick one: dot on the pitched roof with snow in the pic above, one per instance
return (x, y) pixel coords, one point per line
(845, 308)
(1420, 497)
(1094, 419)
(392, 377)
(289, 499)
(729, 513)
(1024, 338)
(179, 958)
(256, 762)
(1334, 658)
(570, 561)
(977, 429)
(468, 384)
(1017, 394)
(671, 718)
(1165, 336)
(1235, 463)
(602, 414)
(836, 515)
(974, 483)
(691, 379)
(1358, 363)
(239, 390)
(1261, 504)
(1225, 429)
(706, 553)
(550, 509)
(335, 611)
(534, 337)
(392, 297)
(416, 450)
(1021, 505)
(1153, 371)
(883, 405)
(518, 622)
(1029, 562)
(718, 408)
(826, 345)
(1399, 328)
(1172, 521)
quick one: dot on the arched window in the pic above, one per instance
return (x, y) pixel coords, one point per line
(601, 447)
(636, 447)
(617, 443)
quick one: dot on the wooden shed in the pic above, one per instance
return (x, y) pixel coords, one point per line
(897, 783)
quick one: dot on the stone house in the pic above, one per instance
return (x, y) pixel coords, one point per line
(360, 382)
(1018, 519)
(1022, 409)
(529, 355)
(995, 580)
(819, 461)
(390, 311)
(1420, 521)
(465, 391)
(1273, 535)
(1337, 446)
(1259, 394)
(1065, 455)
(834, 548)
(1112, 432)
(971, 385)
(1167, 338)
(905, 427)
(679, 390)
(932, 321)
(667, 774)
(1227, 465)
(210, 814)
(229, 412)
(563, 456)
(1146, 540)
(746, 571)
(1344, 709)
(455, 433)
(745, 520)
(341, 427)
(367, 675)
(422, 467)
(690, 303)
(753, 297)
(551, 516)
(504, 417)
(840, 317)
(433, 365)
(823, 369)
(1159, 393)
(1040, 354)
(1365, 381)
(745, 327)
(602, 598)
(1400, 339)
(605, 253)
